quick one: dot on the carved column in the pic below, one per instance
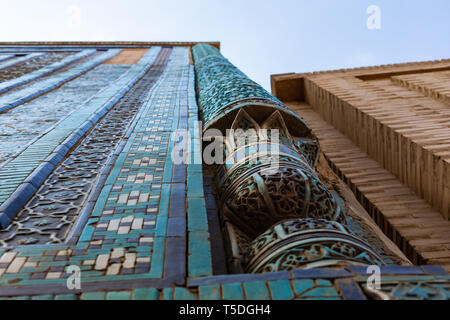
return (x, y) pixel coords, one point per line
(277, 213)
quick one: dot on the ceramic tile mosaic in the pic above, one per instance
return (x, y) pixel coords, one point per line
(23, 124)
(135, 230)
(44, 70)
(101, 192)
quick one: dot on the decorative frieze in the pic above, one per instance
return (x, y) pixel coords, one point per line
(307, 243)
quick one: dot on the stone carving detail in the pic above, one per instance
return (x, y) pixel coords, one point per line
(306, 243)
(268, 175)
(238, 243)
(410, 290)
(267, 197)
(257, 189)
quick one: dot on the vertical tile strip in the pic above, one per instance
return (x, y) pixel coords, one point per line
(18, 97)
(7, 85)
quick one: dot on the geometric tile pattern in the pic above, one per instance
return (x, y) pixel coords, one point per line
(135, 231)
(19, 66)
(30, 120)
(41, 71)
(54, 208)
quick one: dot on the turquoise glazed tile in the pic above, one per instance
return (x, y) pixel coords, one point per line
(256, 290)
(302, 285)
(145, 294)
(321, 292)
(209, 292)
(43, 297)
(119, 295)
(232, 291)
(65, 297)
(281, 290)
(93, 296)
(183, 294)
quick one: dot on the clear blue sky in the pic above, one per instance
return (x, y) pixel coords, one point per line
(260, 37)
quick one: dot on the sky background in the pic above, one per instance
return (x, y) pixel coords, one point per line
(260, 37)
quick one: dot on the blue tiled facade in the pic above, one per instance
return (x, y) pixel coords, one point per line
(139, 226)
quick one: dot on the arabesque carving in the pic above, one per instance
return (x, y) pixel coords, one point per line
(268, 175)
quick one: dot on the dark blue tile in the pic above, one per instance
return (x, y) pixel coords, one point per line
(40, 174)
(394, 270)
(350, 289)
(54, 158)
(177, 200)
(175, 260)
(4, 220)
(179, 173)
(176, 227)
(85, 127)
(61, 149)
(71, 140)
(17, 200)
(434, 270)
(320, 273)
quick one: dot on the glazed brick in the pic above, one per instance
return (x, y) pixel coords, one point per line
(121, 295)
(209, 292)
(199, 254)
(350, 289)
(183, 294)
(232, 291)
(280, 290)
(320, 273)
(145, 294)
(385, 270)
(256, 290)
